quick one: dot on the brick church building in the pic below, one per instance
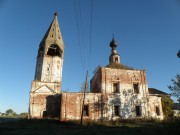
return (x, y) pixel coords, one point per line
(116, 91)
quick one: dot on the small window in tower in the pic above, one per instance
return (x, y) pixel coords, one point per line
(86, 110)
(116, 59)
(53, 29)
(157, 110)
(54, 50)
(136, 88)
(59, 38)
(51, 35)
(116, 110)
(138, 111)
(40, 51)
(115, 88)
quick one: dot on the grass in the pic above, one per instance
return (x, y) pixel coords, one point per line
(121, 127)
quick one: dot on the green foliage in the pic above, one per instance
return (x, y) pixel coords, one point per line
(9, 111)
(167, 104)
(175, 87)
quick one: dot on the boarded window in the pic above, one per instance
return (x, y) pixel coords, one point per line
(86, 110)
(136, 88)
(157, 110)
(138, 111)
(116, 110)
(115, 87)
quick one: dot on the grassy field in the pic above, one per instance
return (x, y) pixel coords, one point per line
(54, 127)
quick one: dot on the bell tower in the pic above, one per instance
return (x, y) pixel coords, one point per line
(114, 56)
(50, 55)
(48, 74)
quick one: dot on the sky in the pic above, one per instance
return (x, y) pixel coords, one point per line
(147, 32)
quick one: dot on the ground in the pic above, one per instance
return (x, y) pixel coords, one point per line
(52, 127)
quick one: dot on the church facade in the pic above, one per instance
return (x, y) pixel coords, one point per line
(116, 91)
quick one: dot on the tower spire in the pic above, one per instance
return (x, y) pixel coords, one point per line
(53, 35)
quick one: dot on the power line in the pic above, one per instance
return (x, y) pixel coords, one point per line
(90, 43)
(81, 55)
(81, 31)
(81, 34)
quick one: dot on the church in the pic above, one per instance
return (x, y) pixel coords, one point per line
(116, 91)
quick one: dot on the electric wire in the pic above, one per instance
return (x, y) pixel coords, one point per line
(81, 31)
(90, 42)
(79, 38)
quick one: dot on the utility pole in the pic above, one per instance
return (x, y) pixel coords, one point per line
(84, 98)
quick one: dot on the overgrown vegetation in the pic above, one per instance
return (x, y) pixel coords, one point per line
(175, 87)
(118, 127)
(167, 104)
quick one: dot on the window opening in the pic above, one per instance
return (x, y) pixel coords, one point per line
(157, 110)
(136, 88)
(40, 52)
(138, 111)
(116, 110)
(86, 110)
(116, 59)
(54, 50)
(115, 87)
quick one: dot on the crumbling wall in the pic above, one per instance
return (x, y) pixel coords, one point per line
(155, 107)
(95, 82)
(44, 101)
(71, 106)
(125, 97)
(44, 105)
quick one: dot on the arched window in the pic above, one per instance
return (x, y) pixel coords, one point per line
(116, 59)
(54, 50)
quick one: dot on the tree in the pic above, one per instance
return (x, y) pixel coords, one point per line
(10, 112)
(167, 104)
(175, 87)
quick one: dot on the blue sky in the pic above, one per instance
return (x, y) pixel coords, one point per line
(147, 32)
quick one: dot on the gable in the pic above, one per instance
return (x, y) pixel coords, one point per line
(44, 89)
